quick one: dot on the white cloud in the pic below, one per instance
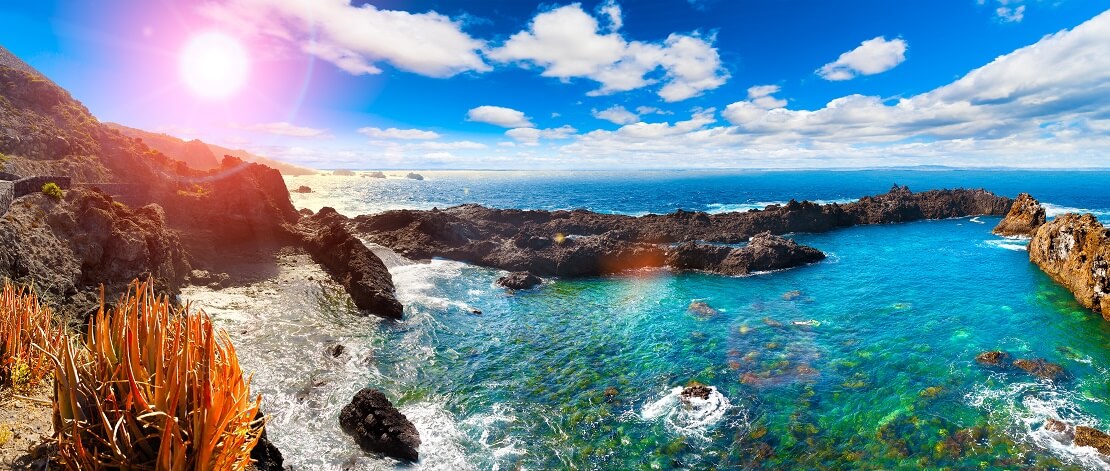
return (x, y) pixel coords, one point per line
(357, 38)
(499, 116)
(394, 133)
(760, 95)
(532, 136)
(613, 11)
(286, 129)
(1011, 14)
(617, 114)
(567, 43)
(873, 56)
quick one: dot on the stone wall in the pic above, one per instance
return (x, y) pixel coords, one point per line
(7, 194)
(30, 185)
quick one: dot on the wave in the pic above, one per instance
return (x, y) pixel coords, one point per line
(1027, 407)
(976, 220)
(688, 416)
(1053, 210)
(717, 208)
(1014, 243)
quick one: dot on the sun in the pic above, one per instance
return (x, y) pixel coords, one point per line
(214, 65)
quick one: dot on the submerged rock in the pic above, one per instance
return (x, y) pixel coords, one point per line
(378, 427)
(519, 280)
(701, 309)
(1040, 368)
(1075, 251)
(1087, 436)
(350, 262)
(992, 358)
(1023, 219)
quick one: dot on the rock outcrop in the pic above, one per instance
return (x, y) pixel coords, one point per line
(1097, 439)
(69, 247)
(378, 427)
(582, 243)
(1075, 251)
(519, 280)
(764, 252)
(1023, 219)
(350, 262)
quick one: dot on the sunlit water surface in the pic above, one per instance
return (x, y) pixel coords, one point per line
(871, 365)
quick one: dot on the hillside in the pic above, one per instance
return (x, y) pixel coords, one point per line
(201, 155)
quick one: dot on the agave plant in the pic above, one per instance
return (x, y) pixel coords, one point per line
(153, 387)
(27, 338)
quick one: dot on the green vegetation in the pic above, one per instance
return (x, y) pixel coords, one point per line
(52, 190)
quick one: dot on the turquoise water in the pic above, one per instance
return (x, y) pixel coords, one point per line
(863, 361)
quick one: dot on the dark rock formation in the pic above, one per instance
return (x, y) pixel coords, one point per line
(1040, 368)
(1075, 251)
(1087, 436)
(265, 454)
(701, 309)
(695, 390)
(519, 280)
(992, 358)
(303, 189)
(763, 252)
(414, 176)
(378, 427)
(73, 245)
(580, 243)
(350, 262)
(375, 175)
(1025, 216)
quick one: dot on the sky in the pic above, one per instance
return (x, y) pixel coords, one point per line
(427, 84)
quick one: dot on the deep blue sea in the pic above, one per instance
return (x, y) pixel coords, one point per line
(862, 361)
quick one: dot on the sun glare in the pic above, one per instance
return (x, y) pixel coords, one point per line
(214, 65)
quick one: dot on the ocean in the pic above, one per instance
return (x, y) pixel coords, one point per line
(863, 361)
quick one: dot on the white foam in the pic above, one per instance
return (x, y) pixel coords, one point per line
(1053, 210)
(976, 220)
(692, 416)
(1017, 245)
(1027, 406)
(717, 208)
(441, 440)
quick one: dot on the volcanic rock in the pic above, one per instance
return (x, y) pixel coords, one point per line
(303, 189)
(414, 176)
(992, 358)
(378, 427)
(1087, 436)
(1023, 219)
(764, 252)
(695, 390)
(519, 280)
(350, 263)
(701, 309)
(1040, 368)
(1074, 251)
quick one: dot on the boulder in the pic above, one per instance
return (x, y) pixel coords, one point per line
(414, 176)
(375, 175)
(695, 390)
(303, 189)
(1040, 368)
(1023, 219)
(992, 358)
(519, 280)
(350, 263)
(1074, 251)
(378, 427)
(701, 309)
(265, 454)
(1087, 436)
(764, 252)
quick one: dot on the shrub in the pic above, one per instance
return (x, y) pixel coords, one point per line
(28, 338)
(153, 387)
(52, 190)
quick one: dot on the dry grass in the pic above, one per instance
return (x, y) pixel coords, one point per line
(28, 338)
(153, 387)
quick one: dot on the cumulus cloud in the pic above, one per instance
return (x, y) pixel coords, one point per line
(568, 43)
(760, 95)
(1035, 107)
(356, 38)
(532, 136)
(287, 129)
(394, 133)
(499, 116)
(1011, 14)
(617, 114)
(873, 56)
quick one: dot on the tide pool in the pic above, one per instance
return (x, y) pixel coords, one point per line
(864, 361)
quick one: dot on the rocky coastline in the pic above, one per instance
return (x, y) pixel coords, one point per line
(584, 243)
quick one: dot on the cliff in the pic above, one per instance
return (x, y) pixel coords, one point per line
(201, 155)
(1075, 251)
(1023, 219)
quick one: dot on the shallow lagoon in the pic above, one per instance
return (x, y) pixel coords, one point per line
(582, 373)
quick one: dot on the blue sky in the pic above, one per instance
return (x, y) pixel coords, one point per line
(637, 84)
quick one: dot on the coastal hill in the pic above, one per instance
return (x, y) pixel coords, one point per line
(201, 155)
(130, 210)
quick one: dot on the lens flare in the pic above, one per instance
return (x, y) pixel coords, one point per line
(214, 65)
